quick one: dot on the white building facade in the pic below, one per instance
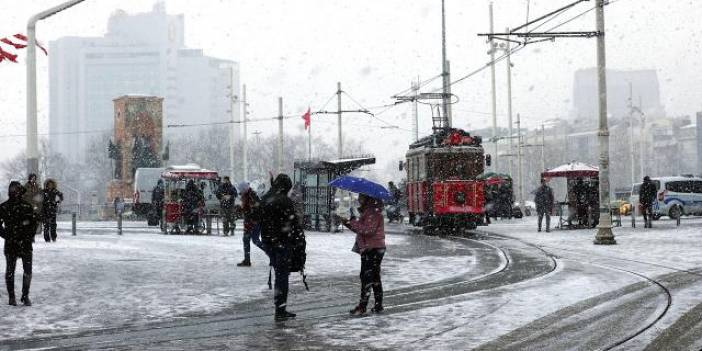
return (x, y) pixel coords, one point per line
(140, 54)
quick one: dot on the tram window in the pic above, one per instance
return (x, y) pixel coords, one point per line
(422, 168)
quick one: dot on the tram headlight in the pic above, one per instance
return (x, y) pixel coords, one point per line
(460, 197)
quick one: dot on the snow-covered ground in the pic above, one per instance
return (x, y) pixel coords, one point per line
(100, 279)
(486, 315)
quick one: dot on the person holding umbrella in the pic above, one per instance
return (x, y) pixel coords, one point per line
(370, 237)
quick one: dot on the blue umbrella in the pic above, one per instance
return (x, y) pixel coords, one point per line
(362, 186)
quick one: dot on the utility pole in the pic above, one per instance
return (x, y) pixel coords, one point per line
(415, 110)
(604, 229)
(233, 125)
(280, 136)
(509, 100)
(494, 93)
(245, 150)
(631, 136)
(32, 136)
(446, 75)
(543, 147)
(340, 150)
(520, 184)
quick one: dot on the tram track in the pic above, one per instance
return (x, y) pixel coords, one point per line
(654, 282)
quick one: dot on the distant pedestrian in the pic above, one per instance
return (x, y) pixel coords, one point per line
(17, 226)
(250, 209)
(580, 191)
(226, 194)
(647, 195)
(157, 198)
(277, 230)
(544, 201)
(118, 203)
(52, 197)
(193, 200)
(370, 244)
(32, 195)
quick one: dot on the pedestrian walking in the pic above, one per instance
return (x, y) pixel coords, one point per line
(370, 244)
(279, 225)
(51, 198)
(647, 195)
(192, 202)
(580, 192)
(544, 200)
(17, 226)
(226, 194)
(250, 208)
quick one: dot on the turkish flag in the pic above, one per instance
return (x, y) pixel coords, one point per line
(308, 118)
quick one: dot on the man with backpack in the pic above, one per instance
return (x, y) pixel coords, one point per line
(226, 194)
(283, 239)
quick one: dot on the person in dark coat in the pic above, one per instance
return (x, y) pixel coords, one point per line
(226, 194)
(157, 197)
(279, 220)
(544, 200)
(17, 226)
(593, 201)
(32, 193)
(580, 192)
(250, 206)
(51, 198)
(192, 201)
(647, 195)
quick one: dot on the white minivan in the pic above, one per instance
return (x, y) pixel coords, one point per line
(145, 180)
(675, 196)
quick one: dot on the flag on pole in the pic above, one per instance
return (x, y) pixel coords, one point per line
(13, 43)
(307, 117)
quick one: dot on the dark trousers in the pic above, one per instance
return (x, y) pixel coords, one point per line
(281, 264)
(228, 221)
(11, 261)
(541, 213)
(647, 214)
(49, 227)
(252, 235)
(370, 276)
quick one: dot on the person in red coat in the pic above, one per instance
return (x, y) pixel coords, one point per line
(370, 244)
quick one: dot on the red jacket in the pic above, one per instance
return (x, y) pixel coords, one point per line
(369, 227)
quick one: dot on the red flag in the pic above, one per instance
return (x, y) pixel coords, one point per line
(4, 55)
(307, 117)
(24, 37)
(15, 42)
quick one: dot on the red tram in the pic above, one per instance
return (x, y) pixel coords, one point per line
(444, 191)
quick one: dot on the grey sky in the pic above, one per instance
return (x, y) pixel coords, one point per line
(300, 49)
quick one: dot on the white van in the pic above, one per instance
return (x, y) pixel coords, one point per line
(675, 196)
(145, 180)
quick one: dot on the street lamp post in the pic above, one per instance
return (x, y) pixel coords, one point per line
(32, 137)
(604, 228)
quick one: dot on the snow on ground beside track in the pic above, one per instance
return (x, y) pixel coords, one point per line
(102, 279)
(664, 244)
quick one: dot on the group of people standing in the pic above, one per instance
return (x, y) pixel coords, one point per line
(27, 206)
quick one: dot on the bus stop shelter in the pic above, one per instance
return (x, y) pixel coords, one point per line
(313, 178)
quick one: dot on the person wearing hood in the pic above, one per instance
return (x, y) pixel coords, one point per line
(279, 220)
(17, 226)
(51, 198)
(226, 194)
(250, 206)
(647, 196)
(370, 244)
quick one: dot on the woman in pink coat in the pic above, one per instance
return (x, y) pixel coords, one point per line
(370, 244)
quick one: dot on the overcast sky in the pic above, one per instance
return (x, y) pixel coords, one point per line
(299, 49)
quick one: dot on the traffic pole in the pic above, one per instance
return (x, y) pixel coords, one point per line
(604, 228)
(340, 150)
(73, 224)
(509, 102)
(494, 93)
(280, 135)
(245, 152)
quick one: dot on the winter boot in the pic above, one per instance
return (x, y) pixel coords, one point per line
(283, 315)
(244, 263)
(358, 311)
(378, 308)
(26, 301)
(13, 301)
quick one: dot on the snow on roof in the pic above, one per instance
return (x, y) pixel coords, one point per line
(573, 169)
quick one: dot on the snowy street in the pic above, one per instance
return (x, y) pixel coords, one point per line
(505, 287)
